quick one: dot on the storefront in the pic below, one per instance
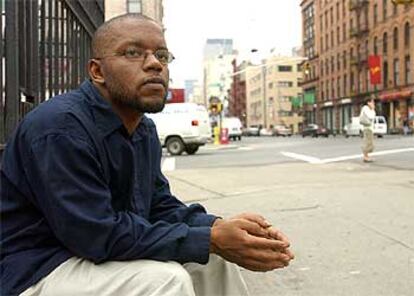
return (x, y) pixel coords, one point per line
(327, 113)
(396, 107)
(345, 113)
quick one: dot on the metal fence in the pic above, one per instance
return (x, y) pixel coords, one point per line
(45, 45)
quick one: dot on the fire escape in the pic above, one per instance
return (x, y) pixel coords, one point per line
(359, 57)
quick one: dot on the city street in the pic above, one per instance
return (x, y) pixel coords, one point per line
(350, 223)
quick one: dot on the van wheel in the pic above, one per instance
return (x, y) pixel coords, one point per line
(191, 149)
(175, 146)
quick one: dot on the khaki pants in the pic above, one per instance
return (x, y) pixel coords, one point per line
(368, 143)
(81, 277)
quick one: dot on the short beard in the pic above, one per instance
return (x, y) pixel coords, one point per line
(121, 97)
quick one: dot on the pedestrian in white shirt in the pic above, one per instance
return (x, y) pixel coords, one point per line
(366, 118)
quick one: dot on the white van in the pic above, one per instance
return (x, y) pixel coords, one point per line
(234, 126)
(182, 127)
(354, 128)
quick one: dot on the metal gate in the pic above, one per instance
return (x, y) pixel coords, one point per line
(45, 45)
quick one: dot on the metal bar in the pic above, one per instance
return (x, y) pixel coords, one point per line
(12, 68)
(2, 111)
(21, 22)
(62, 46)
(68, 48)
(56, 49)
(35, 50)
(49, 47)
(87, 22)
(42, 68)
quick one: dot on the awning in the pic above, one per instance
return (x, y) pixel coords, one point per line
(396, 95)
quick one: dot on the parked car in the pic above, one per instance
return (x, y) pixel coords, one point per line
(354, 128)
(182, 127)
(266, 132)
(315, 130)
(234, 126)
(252, 130)
(282, 130)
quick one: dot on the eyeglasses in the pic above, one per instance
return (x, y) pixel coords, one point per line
(134, 54)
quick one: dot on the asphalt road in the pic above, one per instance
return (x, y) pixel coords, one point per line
(350, 223)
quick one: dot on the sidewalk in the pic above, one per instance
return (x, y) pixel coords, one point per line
(350, 224)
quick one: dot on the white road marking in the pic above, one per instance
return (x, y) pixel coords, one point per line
(303, 157)
(245, 148)
(168, 164)
(315, 160)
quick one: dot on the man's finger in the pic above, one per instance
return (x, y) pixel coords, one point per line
(252, 228)
(278, 235)
(261, 242)
(254, 218)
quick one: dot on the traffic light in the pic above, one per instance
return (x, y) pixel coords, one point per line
(215, 108)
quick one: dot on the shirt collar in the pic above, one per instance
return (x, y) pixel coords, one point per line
(106, 119)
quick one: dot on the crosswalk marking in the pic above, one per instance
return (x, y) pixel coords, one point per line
(315, 160)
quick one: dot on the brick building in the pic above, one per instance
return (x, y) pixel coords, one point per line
(237, 96)
(339, 36)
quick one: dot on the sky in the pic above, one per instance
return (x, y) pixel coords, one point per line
(256, 24)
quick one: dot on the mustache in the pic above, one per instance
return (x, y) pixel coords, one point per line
(155, 80)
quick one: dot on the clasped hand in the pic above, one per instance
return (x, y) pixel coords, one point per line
(251, 242)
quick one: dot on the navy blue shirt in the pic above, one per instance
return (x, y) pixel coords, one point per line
(75, 183)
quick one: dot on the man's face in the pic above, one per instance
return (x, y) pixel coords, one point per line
(137, 83)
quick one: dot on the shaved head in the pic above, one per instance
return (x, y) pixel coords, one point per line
(104, 35)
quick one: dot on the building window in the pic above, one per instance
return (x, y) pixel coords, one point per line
(375, 45)
(345, 84)
(344, 32)
(396, 67)
(285, 84)
(394, 9)
(352, 82)
(332, 64)
(332, 39)
(327, 67)
(395, 39)
(384, 9)
(322, 93)
(134, 6)
(338, 36)
(407, 34)
(338, 14)
(338, 92)
(284, 68)
(408, 75)
(338, 62)
(343, 8)
(344, 59)
(327, 90)
(385, 43)
(375, 14)
(385, 73)
(321, 22)
(321, 67)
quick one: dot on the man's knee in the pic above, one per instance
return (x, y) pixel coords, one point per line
(164, 278)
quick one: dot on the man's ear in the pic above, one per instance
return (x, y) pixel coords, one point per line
(95, 71)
